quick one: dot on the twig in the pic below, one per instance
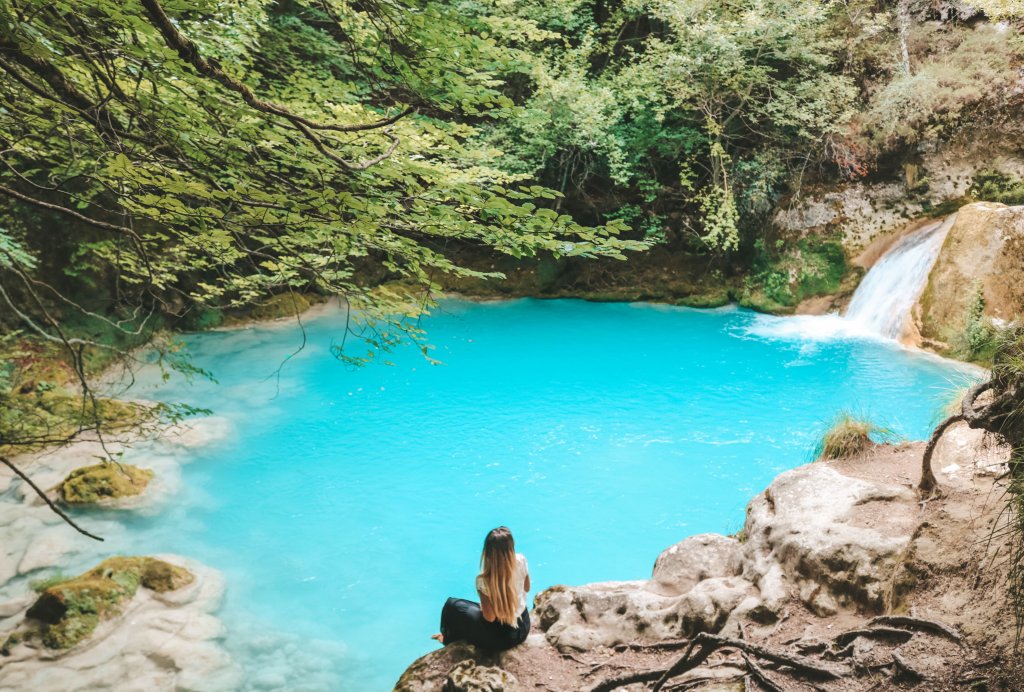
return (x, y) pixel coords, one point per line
(47, 500)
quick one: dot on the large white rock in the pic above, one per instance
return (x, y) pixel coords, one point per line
(611, 613)
(467, 676)
(982, 253)
(809, 535)
(704, 556)
(963, 452)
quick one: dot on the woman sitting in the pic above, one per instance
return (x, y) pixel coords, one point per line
(501, 619)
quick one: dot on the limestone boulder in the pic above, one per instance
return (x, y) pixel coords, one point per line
(467, 676)
(828, 539)
(704, 556)
(429, 672)
(610, 613)
(963, 453)
(984, 252)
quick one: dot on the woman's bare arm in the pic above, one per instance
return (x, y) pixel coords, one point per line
(486, 608)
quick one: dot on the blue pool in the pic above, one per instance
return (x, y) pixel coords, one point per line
(347, 503)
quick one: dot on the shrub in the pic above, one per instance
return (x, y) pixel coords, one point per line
(848, 436)
(993, 186)
(790, 274)
(977, 342)
(965, 72)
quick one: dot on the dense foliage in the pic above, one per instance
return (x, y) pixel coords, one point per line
(210, 152)
(163, 160)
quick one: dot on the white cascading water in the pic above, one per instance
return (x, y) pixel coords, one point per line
(882, 303)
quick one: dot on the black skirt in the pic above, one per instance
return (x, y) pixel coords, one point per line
(463, 621)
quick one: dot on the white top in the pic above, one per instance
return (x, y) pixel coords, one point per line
(519, 579)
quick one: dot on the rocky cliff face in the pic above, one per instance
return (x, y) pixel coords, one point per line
(982, 258)
(805, 537)
(864, 212)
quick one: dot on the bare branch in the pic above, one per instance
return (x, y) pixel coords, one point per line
(47, 500)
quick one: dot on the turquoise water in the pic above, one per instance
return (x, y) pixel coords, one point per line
(346, 504)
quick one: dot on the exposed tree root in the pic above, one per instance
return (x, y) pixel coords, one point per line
(904, 669)
(906, 622)
(610, 684)
(874, 632)
(758, 674)
(704, 645)
(900, 628)
(654, 646)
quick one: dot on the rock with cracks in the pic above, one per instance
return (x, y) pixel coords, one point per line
(705, 556)
(468, 676)
(811, 534)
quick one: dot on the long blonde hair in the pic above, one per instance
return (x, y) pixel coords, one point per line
(498, 568)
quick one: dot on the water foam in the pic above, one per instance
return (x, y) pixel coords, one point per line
(830, 327)
(885, 297)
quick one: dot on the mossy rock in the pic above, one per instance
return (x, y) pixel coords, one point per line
(758, 301)
(107, 481)
(70, 610)
(714, 298)
(284, 305)
(12, 640)
(54, 413)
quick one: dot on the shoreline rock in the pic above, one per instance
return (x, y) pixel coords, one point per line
(161, 640)
(104, 484)
(825, 546)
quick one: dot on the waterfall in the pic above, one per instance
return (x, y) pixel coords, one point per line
(882, 302)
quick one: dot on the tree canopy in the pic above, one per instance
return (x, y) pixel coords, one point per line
(208, 153)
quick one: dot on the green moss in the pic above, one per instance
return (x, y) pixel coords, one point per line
(91, 484)
(789, 274)
(822, 270)
(71, 609)
(47, 413)
(945, 207)
(284, 305)
(12, 640)
(993, 186)
(202, 319)
(40, 585)
(714, 298)
(760, 301)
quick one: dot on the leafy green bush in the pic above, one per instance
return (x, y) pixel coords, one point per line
(978, 339)
(955, 71)
(993, 186)
(790, 274)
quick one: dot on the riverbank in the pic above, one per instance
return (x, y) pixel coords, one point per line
(826, 549)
